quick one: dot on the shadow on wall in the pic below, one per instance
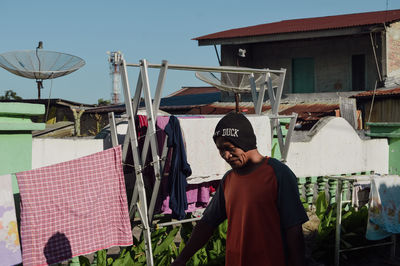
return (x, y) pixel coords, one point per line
(57, 248)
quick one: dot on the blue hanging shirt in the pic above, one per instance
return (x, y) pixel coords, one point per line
(179, 171)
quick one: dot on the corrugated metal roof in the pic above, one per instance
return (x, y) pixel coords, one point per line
(194, 90)
(304, 110)
(309, 24)
(118, 108)
(52, 101)
(190, 99)
(379, 92)
(57, 130)
(308, 113)
(225, 107)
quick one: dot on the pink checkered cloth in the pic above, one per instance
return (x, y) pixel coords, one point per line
(73, 208)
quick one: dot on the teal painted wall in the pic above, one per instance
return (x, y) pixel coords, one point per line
(303, 75)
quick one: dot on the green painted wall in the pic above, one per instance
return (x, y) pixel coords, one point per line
(391, 131)
(394, 156)
(16, 137)
(15, 154)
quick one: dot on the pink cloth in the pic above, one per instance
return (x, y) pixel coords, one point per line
(198, 196)
(73, 208)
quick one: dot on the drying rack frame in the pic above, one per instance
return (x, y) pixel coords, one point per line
(139, 199)
(340, 201)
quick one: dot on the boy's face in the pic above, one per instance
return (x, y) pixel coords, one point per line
(234, 156)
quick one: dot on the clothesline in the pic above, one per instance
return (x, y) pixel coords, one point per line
(144, 166)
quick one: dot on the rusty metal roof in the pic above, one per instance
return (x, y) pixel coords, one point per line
(194, 90)
(379, 93)
(225, 107)
(116, 108)
(307, 111)
(58, 130)
(309, 24)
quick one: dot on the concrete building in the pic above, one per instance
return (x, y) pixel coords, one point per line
(344, 53)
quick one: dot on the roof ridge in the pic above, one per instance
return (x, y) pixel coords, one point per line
(308, 24)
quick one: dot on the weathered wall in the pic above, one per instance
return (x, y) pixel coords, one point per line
(384, 109)
(332, 59)
(335, 148)
(393, 49)
(48, 151)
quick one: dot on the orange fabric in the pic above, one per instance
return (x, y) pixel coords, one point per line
(254, 233)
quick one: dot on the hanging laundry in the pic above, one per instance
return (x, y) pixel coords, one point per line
(179, 171)
(384, 211)
(73, 208)
(198, 196)
(360, 193)
(148, 171)
(10, 251)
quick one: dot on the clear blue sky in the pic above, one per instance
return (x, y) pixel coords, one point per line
(152, 30)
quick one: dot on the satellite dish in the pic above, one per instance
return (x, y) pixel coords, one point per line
(235, 82)
(40, 64)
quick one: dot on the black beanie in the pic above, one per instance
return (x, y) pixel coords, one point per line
(237, 129)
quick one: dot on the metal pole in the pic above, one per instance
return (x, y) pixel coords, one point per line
(253, 89)
(260, 100)
(151, 129)
(156, 105)
(39, 87)
(138, 166)
(393, 247)
(338, 221)
(237, 108)
(278, 94)
(288, 137)
(113, 129)
(157, 183)
(221, 69)
(178, 222)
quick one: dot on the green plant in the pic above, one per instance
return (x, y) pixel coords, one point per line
(306, 206)
(213, 253)
(353, 227)
(165, 250)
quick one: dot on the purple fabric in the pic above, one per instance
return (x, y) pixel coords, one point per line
(162, 121)
(198, 196)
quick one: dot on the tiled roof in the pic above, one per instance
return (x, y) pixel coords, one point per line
(380, 92)
(309, 24)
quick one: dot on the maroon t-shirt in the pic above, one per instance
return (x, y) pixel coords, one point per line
(259, 207)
